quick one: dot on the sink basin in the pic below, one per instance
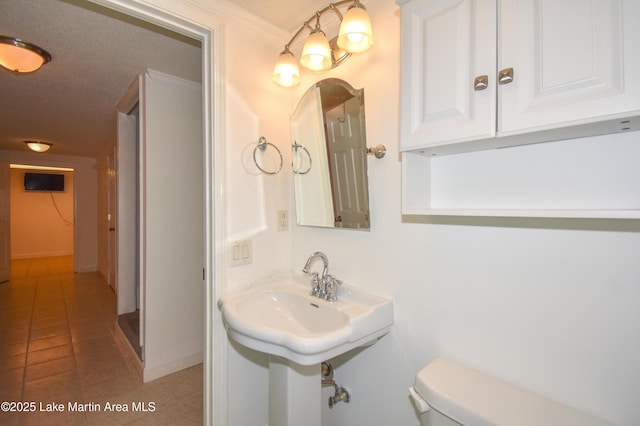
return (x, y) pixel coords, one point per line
(279, 316)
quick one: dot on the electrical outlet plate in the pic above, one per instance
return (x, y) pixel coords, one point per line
(283, 220)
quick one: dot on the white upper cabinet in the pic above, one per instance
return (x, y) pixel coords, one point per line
(445, 46)
(478, 74)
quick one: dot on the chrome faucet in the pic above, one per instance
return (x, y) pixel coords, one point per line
(312, 258)
(316, 291)
(325, 286)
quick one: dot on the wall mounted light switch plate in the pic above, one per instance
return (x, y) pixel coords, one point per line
(241, 253)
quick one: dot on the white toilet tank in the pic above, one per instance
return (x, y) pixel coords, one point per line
(448, 393)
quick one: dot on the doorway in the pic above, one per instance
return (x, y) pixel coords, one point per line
(42, 222)
(126, 235)
(211, 63)
(213, 159)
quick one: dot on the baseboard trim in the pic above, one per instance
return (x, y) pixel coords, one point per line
(128, 351)
(152, 373)
(86, 268)
(16, 256)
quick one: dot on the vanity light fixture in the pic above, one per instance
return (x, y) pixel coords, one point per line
(38, 146)
(20, 56)
(320, 53)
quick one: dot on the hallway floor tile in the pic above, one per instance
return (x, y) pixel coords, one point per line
(60, 350)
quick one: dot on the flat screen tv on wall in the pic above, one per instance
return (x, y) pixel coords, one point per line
(43, 182)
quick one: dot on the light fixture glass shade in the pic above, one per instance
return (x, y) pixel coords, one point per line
(19, 56)
(355, 30)
(286, 72)
(316, 53)
(38, 146)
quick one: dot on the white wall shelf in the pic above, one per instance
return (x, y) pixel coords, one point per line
(574, 214)
(594, 177)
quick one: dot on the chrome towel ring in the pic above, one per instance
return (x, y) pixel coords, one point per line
(295, 147)
(262, 146)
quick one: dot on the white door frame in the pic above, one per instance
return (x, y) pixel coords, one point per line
(210, 35)
(127, 231)
(5, 226)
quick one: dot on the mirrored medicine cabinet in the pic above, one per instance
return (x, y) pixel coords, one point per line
(329, 157)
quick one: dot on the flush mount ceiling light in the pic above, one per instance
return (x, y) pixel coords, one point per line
(38, 146)
(20, 56)
(321, 54)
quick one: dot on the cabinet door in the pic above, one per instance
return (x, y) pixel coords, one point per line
(574, 61)
(446, 44)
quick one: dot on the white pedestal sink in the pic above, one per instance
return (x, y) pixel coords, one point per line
(279, 316)
(294, 393)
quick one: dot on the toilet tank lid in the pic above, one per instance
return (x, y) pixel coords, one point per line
(472, 397)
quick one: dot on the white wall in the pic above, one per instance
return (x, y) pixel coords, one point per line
(171, 232)
(41, 222)
(254, 107)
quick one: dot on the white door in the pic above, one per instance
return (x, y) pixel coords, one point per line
(345, 130)
(5, 212)
(562, 76)
(127, 202)
(446, 45)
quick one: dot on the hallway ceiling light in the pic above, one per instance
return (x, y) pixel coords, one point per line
(320, 53)
(47, 168)
(38, 146)
(20, 56)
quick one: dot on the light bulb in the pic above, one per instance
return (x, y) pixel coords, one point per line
(316, 59)
(355, 30)
(286, 72)
(316, 53)
(355, 37)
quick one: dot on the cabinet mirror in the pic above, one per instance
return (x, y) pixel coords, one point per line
(329, 157)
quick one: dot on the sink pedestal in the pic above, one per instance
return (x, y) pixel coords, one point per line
(294, 393)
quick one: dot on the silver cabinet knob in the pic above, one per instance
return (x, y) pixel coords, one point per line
(505, 76)
(481, 82)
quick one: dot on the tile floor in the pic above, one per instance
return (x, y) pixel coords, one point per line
(58, 344)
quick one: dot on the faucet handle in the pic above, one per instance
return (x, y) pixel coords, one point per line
(315, 282)
(330, 293)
